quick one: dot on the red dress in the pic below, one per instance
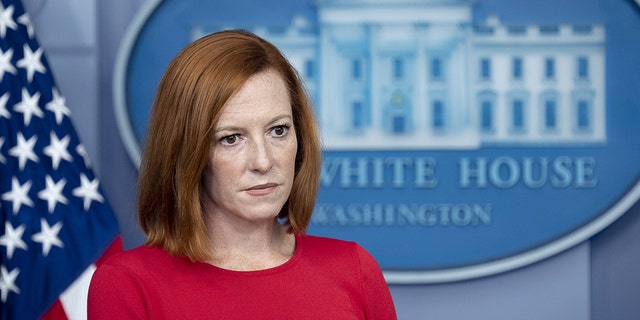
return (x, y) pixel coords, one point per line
(325, 279)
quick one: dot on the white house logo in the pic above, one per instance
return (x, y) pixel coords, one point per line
(462, 138)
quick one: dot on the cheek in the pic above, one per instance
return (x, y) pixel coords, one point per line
(216, 171)
(207, 177)
(291, 155)
(214, 175)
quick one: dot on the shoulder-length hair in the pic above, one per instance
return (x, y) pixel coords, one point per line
(196, 85)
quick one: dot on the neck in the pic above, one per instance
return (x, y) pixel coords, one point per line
(250, 247)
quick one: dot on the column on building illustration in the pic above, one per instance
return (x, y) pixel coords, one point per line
(448, 90)
(345, 79)
(395, 50)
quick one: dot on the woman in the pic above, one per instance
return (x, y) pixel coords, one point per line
(227, 186)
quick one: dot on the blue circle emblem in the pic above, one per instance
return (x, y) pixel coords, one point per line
(462, 138)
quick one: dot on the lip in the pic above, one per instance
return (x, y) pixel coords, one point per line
(261, 189)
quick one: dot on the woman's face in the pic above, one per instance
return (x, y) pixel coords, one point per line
(251, 165)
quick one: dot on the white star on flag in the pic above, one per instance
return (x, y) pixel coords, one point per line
(24, 150)
(3, 106)
(19, 194)
(53, 193)
(58, 107)
(88, 190)
(5, 63)
(8, 282)
(29, 106)
(6, 20)
(82, 151)
(12, 238)
(31, 62)
(48, 236)
(57, 150)
(2, 158)
(26, 21)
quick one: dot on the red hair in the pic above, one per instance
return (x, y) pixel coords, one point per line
(196, 85)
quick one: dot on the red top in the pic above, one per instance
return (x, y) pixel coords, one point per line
(325, 279)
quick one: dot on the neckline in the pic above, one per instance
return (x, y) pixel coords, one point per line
(297, 253)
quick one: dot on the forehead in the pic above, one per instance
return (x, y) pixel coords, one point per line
(264, 93)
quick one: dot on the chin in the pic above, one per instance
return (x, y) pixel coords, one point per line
(270, 213)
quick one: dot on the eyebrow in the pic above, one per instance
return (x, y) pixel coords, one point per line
(273, 120)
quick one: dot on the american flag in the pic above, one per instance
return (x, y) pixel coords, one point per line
(57, 224)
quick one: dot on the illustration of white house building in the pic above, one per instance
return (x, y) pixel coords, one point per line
(421, 74)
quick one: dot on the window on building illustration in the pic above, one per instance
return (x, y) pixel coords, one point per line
(357, 114)
(550, 114)
(309, 69)
(483, 30)
(583, 114)
(436, 69)
(549, 30)
(398, 124)
(485, 69)
(356, 69)
(549, 68)
(486, 115)
(438, 114)
(398, 68)
(517, 30)
(517, 109)
(583, 68)
(582, 29)
(516, 68)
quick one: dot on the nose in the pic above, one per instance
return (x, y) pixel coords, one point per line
(261, 156)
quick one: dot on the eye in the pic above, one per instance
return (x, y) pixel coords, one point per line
(230, 140)
(280, 131)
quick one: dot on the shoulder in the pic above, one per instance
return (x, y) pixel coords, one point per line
(119, 286)
(136, 256)
(136, 264)
(324, 242)
(322, 246)
(130, 271)
(348, 263)
(337, 250)
(311, 242)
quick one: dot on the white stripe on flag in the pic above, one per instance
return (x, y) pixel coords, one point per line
(74, 299)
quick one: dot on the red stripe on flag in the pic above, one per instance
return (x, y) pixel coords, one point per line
(56, 312)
